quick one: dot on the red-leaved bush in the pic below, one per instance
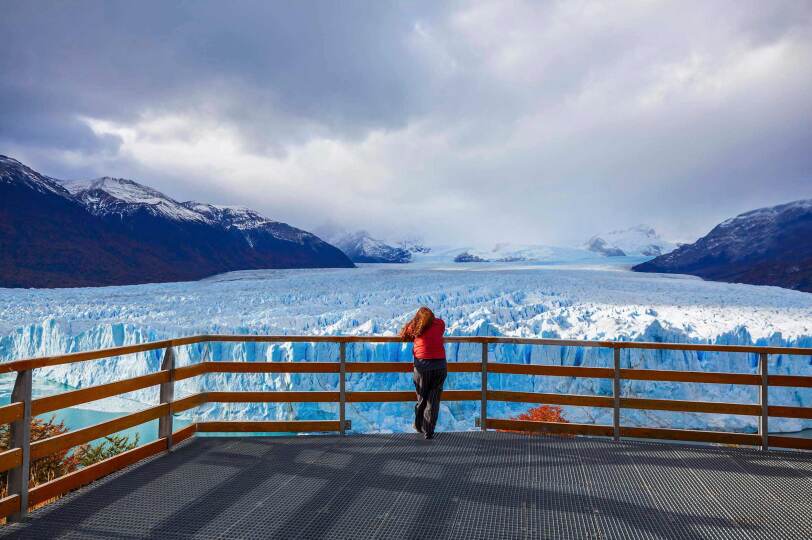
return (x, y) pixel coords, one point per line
(542, 413)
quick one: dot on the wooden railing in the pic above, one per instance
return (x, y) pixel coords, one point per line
(19, 412)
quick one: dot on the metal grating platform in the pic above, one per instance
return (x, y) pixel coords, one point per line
(460, 485)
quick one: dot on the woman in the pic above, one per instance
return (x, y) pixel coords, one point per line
(430, 369)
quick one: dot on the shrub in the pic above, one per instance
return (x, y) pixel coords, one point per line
(65, 461)
(543, 413)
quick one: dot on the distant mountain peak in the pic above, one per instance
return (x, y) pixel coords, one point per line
(637, 241)
(414, 244)
(122, 188)
(108, 195)
(361, 247)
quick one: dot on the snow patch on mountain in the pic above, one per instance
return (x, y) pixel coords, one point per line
(107, 195)
(248, 221)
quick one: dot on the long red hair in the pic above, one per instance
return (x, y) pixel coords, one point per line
(420, 323)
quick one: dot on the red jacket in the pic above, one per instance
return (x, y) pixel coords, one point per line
(429, 346)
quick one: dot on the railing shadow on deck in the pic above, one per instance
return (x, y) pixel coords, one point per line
(19, 412)
(459, 458)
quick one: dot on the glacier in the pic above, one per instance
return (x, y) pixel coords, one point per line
(584, 300)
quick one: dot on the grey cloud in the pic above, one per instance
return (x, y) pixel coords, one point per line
(341, 66)
(537, 103)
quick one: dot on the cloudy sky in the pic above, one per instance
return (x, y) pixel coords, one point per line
(470, 121)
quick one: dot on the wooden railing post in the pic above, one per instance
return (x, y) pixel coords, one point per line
(342, 388)
(167, 395)
(763, 399)
(483, 418)
(616, 395)
(20, 431)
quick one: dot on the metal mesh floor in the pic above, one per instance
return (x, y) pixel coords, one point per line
(460, 485)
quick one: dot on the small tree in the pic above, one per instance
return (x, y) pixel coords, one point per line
(49, 467)
(65, 461)
(111, 446)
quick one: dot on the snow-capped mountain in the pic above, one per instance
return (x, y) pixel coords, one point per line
(112, 231)
(638, 241)
(768, 246)
(14, 173)
(361, 247)
(108, 196)
(249, 222)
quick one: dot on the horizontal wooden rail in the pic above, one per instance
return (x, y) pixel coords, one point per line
(192, 370)
(11, 412)
(271, 367)
(391, 396)
(553, 371)
(551, 399)
(690, 406)
(790, 412)
(10, 459)
(689, 376)
(688, 435)
(783, 441)
(184, 433)
(46, 447)
(189, 402)
(9, 505)
(272, 397)
(38, 362)
(378, 367)
(70, 358)
(549, 427)
(93, 393)
(796, 381)
(634, 432)
(691, 435)
(293, 426)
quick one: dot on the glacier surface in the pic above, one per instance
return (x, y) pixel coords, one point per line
(583, 301)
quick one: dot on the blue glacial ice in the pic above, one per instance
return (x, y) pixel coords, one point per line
(583, 301)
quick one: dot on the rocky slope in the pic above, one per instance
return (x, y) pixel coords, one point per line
(768, 246)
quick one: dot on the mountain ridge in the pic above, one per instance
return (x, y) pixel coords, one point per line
(765, 246)
(113, 231)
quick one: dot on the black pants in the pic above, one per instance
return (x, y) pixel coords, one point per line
(428, 383)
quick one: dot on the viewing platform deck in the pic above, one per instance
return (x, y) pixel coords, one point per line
(595, 481)
(459, 485)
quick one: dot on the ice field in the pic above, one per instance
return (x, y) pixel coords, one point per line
(587, 300)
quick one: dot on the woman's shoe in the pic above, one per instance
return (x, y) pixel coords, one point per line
(428, 436)
(417, 429)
